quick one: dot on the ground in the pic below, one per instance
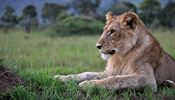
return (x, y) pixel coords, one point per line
(36, 57)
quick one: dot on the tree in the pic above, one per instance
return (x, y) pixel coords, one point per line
(122, 7)
(86, 7)
(149, 11)
(30, 11)
(50, 11)
(167, 16)
(9, 19)
(29, 15)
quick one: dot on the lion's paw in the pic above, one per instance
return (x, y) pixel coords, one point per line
(87, 84)
(62, 78)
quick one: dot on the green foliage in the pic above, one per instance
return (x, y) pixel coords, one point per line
(50, 11)
(149, 11)
(28, 18)
(19, 93)
(86, 7)
(167, 16)
(148, 5)
(80, 25)
(62, 16)
(120, 8)
(30, 11)
(9, 20)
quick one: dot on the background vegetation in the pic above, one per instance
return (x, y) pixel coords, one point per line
(64, 43)
(58, 16)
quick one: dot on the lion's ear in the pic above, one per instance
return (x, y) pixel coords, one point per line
(130, 19)
(109, 16)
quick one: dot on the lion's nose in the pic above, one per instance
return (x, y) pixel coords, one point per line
(99, 46)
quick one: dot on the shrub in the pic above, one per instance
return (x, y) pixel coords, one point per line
(77, 25)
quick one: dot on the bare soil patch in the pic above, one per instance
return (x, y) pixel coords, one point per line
(8, 79)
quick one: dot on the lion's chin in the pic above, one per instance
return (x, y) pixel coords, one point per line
(105, 56)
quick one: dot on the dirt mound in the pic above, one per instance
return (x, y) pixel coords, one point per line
(8, 79)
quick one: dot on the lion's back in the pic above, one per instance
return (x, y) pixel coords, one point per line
(166, 70)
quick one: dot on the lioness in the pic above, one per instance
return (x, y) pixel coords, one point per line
(134, 57)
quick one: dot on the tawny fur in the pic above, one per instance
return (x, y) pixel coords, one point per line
(138, 61)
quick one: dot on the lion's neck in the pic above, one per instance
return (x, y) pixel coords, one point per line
(118, 65)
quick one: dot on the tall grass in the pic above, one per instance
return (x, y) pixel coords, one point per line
(37, 57)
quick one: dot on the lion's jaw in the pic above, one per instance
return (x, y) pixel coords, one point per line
(106, 56)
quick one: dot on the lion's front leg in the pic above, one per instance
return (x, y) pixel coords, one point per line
(81, 77)
(122, 82)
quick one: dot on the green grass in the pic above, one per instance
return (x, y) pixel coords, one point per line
(37, 57)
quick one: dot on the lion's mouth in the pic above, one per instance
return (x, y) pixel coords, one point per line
(111, 52)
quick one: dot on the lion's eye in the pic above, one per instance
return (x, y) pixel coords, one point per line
(111, 32)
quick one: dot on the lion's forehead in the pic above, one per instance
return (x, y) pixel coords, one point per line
(114, 24)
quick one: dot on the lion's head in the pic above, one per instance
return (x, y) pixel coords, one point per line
(119, 34)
